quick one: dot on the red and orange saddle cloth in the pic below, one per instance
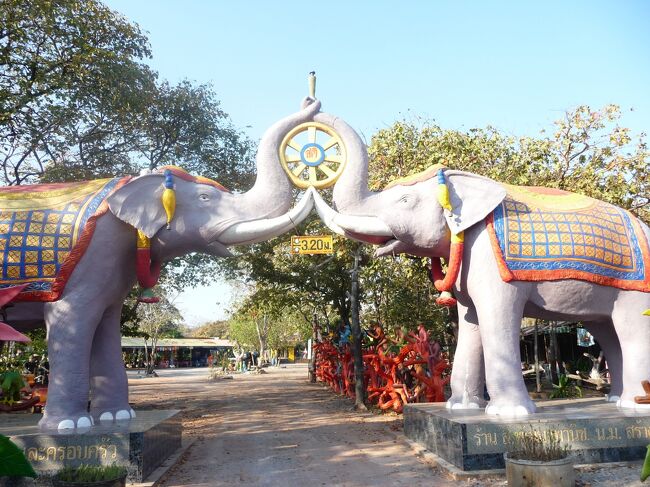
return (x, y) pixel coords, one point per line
(44, 231)
(549, 234)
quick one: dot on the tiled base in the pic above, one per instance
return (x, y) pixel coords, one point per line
(141, 444)
(595, 431)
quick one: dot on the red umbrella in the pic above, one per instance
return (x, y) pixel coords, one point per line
(8, 334)
(9, 293)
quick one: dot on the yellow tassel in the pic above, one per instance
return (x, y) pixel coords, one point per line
(443, 191)
(459, 238)
(647, 312)
(169, 202)
(169, 198)
(143, 241)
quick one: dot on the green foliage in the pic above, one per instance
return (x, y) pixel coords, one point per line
(13, 462)
(77, 102)
(399, 294)
(537, 446)
(589, 153)
(160, 320)
(210, 330)
(243, 331)
(565, 389)
(645, 469)
(57, 58)
(11, 382)
(91, 473)
(38, 344)
(263, 321)
(299, 284)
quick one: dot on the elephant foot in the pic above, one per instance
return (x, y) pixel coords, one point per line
(67, 423)
(627, 404)
(455, 403)
(510, 408)
(115, 414)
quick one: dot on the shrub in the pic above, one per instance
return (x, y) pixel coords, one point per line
(564, 389)
(531, 445)
(91, 473)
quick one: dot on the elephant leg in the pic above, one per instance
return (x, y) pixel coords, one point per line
(70, 331)
(108, 381)
(634, 336)
(499, 316)
(605, 335)
(468, 373)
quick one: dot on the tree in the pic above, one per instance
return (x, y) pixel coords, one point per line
(155, 322)
(185, 123)
(307, 284)
(53, 54)
(399, 295)
(77, 102)
(263, 321)
(290, 328)
(589, 153)
(211, 330)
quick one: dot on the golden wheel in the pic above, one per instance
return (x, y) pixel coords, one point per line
(312, 154)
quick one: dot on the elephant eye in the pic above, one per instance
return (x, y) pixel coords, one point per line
(406, 199)
(204, 197)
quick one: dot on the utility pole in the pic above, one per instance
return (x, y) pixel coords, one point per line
(553, 353)
(355, 328)
(311, 373)
(538, 384)
(314, 340)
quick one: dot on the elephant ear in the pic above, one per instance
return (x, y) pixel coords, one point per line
(472, 198)
(138, 203)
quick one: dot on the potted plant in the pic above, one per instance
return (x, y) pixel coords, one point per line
(13, 463)
(91, 476)
(533, 461)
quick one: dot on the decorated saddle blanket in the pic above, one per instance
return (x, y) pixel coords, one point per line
(549, 234)
(44, 231)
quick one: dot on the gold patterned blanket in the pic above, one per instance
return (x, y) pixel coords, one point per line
(548, 234)
(44, 231)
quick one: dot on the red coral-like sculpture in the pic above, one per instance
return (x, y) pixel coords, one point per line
(418, 372)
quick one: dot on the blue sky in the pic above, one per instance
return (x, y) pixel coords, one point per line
(514, 65)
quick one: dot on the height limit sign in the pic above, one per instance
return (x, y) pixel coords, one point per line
(312, 244)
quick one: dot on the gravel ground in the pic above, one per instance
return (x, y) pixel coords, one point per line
(277, 429)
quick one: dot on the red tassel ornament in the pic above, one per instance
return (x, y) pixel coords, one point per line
(147, 272)
(442, 282)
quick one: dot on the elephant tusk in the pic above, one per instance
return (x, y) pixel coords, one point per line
(326, 213)
(363, 225)
(258, 230)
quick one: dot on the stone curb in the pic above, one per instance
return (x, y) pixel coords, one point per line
(453, 471)
(155, 476)
(458, 474)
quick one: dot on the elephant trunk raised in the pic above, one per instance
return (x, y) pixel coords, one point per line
(269, 199)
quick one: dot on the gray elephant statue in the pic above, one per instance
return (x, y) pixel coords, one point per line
(81, 245)
(515, 252)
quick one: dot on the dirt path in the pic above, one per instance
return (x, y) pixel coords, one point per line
(277, 429)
